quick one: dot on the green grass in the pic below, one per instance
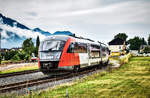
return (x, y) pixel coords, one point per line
(9, 61)
(132, 80)
(19, 69)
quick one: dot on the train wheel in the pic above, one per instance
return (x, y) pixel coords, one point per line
(45, 72)
(76, 68)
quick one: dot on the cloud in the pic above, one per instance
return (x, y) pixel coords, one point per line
(3, 41)
(4, 34)
(120, 13)
(32, 14)
(39, 12)
(97, 19)
(20, 32)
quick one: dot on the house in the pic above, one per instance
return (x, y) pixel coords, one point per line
(117, 47)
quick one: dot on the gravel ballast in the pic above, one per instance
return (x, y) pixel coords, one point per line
(21, 78)
(51, 84)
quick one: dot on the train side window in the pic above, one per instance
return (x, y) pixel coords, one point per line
(95, 51)
(95, 54)
(77, 48)
(95, 48)
(104, 49)
(80, 48)
(71, 48)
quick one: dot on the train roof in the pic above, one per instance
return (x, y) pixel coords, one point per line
(57, 37)
(77, 39)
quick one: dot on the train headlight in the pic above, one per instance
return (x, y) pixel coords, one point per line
(57, 56)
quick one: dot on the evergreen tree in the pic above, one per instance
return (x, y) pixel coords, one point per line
(37, 45)
(149, 40)
(37, 42)
(144, 42)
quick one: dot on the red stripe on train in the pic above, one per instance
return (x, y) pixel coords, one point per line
(69, 59)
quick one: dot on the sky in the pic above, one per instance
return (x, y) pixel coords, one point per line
(99, 20)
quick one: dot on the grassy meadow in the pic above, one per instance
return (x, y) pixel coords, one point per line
(131, 80)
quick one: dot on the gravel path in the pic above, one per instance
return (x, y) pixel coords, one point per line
(115, 64)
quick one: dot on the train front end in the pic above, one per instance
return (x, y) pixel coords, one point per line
(50, 51)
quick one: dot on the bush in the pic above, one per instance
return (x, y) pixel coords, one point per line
(125, 58)
(16, 58)
(5, 62)
(21, 55)
(8, 55)
(27, 58)
(146, 50)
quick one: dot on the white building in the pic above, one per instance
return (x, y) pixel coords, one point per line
(117, 47)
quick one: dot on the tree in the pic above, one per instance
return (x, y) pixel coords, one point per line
(16, 57)
(37, 46)
(135, 43)
(9, 54)
(27, 57)
(28, 46)
(146, 50)
(21, 54)
(37, 42)
(149, 40)
(144, 42)
(122, 36)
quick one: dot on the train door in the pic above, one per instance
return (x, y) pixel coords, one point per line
(83, 53)
(89, 53)
(101, 54)
(94, 55)
(105, 54)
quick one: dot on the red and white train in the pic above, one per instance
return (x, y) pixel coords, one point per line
(66, 52)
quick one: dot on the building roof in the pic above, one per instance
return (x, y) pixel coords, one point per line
(116, 41)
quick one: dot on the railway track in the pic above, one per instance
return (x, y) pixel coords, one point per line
(30, 83)
(18, 73)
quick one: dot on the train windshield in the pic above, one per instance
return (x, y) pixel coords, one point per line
(50, 45)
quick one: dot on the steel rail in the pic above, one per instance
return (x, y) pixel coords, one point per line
(18, 73)
(30, 83)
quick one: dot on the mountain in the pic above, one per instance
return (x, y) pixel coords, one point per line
(63, 33)
(11, 22)
(41, 31)
(14, 33)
